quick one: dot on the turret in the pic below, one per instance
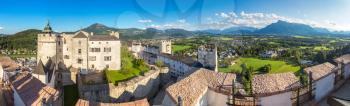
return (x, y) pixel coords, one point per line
(47, 28)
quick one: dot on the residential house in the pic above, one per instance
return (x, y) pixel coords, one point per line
(323, 76)
(201, 88)
(275, 89)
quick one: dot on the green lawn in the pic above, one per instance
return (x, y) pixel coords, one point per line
(318, 48)
(305, 37)
(71, 95)
(130, 68)
(276, 66)
(176, 48)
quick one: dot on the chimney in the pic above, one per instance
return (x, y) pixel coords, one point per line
(116, 34)
(43, 102)
(179, 101)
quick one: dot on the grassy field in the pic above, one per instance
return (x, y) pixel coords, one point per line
(129, 68)
(318, 48)
(276, 66)
(176, 48)
(71, 95)
(304, 37)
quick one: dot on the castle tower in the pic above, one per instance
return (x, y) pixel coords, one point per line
(47, 44)
(207, 56)
(165, 46)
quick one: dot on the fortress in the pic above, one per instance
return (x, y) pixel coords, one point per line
(82, 50)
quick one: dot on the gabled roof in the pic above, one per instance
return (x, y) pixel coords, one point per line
(269, 84)
(321, 70)
(49, 68)
(40, 69)
(193, 87)
(31, 90)
(80, 34)
(345, 59)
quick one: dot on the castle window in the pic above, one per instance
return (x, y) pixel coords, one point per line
(107, 66)
(59, 42)
(92, 58)
(80, 61)
(92, 66)
(106, 42)
(107, 49)
(107, 58)
(92, 42)
(79, 51)
(64, 40)
(99, 42)
(79, 42)
(95, 49)
(66, 57)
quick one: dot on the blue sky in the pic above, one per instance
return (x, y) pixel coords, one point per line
(71, 15)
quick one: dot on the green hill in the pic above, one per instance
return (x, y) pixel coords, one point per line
(21, 40)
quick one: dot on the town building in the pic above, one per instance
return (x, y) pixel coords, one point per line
(269, 54)
(323, 77)
(82, 50)
(275, 89)
(208, 57)
(344, 65)
(201, 88)
(178, 66)
(30, 91)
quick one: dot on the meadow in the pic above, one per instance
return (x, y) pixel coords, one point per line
(276, 66)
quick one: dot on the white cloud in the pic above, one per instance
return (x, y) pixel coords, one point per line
(182, 21)
(144, 21)
(224, 20)
(1, 28)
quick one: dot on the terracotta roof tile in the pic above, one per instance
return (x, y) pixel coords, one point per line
(193, 87)
(318, 71)
(343, 59)
(31, 90)
(265, 84)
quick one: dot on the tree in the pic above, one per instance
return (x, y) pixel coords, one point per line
(159, 63)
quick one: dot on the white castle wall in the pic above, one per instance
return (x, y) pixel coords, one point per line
(46, 47)
(100, 63)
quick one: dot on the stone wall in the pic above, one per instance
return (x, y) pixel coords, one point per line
(137, 88)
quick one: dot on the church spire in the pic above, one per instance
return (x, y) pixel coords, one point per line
(48, 28)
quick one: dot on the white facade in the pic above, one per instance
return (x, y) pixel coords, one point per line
(165, 46)
(207, 56)
(282, 99)
(324, 86)
(346, 70)
(84, 51)
(208, 98)
(176, 67)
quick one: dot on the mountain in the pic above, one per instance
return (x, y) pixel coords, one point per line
(135, 33)
(24, 39)
(178, 33)
(232, 30)
(239, 30)
(98, 28)
(286, 28)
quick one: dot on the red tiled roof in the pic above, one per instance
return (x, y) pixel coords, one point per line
(31, 90)
(318, 71)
